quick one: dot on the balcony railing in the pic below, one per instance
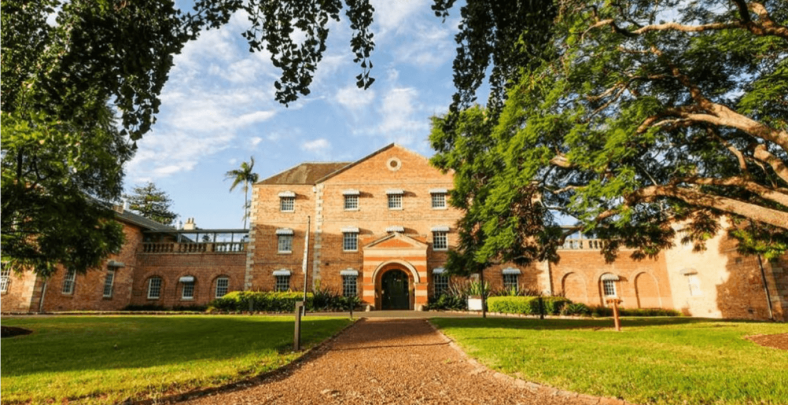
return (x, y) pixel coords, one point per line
(582, 244)
(172, 247)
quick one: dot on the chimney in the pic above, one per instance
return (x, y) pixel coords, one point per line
(189, 225)
(118, 208)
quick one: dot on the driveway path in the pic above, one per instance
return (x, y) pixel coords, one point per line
(387, 361)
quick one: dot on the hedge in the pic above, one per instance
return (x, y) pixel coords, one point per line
(607, 311)
(526, 305)
(281, 301)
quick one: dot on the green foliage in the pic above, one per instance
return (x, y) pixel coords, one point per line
(618, 129)
(244, 176)
(601, 311)
(151, 203)
(575, 309)
(258, 301)
(527, 305)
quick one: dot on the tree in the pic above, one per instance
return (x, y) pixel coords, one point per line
(638, 129)
(151, 203)
(244, 176)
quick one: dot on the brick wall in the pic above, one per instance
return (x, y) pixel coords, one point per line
(88, 292)
(641, 284)
(22, 294)
(205, 267)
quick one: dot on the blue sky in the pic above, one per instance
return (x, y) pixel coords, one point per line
(218, 108)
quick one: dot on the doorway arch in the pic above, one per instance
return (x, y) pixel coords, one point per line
(394, 290)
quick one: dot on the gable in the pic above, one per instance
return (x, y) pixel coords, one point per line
(396, 241)
(391, 164)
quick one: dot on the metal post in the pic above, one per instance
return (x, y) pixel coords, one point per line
(304, 266)
(297, 335)
(541, 307)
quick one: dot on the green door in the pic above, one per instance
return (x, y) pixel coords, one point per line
(395, 290)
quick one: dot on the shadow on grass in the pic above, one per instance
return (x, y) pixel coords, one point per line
(104, 343)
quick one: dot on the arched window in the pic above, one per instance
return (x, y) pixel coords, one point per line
(154, 288)
(222, 286)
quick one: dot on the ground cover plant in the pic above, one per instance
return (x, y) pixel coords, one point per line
(653, 361)
(104, 359)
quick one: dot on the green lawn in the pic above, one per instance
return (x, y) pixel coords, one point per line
(653, 361)
(105, 359)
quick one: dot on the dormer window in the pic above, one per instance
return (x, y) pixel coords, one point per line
(287, 201)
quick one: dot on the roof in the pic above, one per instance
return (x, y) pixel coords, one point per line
(142, 222)
(305, 173)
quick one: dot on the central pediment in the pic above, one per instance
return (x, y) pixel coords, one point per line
(396, 240)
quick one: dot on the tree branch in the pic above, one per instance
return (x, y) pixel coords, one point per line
(729, 205)
(779, 196)
(762, 154)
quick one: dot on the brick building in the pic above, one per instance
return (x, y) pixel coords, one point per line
(380, 228)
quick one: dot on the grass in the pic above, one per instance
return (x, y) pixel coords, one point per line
(653, 361)
(105, 359)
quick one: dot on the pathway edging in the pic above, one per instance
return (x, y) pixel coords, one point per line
(530, 386)
(309, 354)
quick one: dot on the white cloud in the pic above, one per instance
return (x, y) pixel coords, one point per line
(255, 141)
(353, 98)
(163, 154)
(398, 112)
(392, 15)
(319, 147)
(432, 46)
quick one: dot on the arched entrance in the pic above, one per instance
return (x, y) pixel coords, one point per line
(395, 290)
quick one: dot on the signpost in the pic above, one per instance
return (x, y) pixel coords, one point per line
(615, 302)
(297, 334)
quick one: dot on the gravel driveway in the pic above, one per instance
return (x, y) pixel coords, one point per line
(388, 361)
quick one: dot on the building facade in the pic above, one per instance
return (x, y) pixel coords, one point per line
(380, 228)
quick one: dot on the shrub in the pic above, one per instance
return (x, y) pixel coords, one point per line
(527, 305)
(605, 311)
(457, 302)
(146, 307)
(575, 309)
(320, 300)
(514, 305)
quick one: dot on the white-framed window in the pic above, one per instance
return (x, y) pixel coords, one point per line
(350, 241)
(187, 290)
(510, 282)
(154, 288)
(109, 281)
(287, 204)
(351, 202)
(395, 201)
(694, 285)
(349, 286)
(222, 286)
(68, 282)
(5, 276)
(441, 282)
(440, 240)
(282, 283)
(609, 288)
(438, 200)
(285, 243)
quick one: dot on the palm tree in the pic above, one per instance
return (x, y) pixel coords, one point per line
(243, 175)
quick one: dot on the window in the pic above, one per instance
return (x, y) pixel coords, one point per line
(5, 275)
(694, 285)
(440, 240)
(438, 200)
(350, 241)
(68, 282)
(287, 204)
(282, 283)
(349, 286)
(187, 291)
(285, 243)
(441, 284)
(222, 285)
(154, 288)
(510, 282)
(395, 201)
(351, 202)
(609, 288)
(109, 281)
